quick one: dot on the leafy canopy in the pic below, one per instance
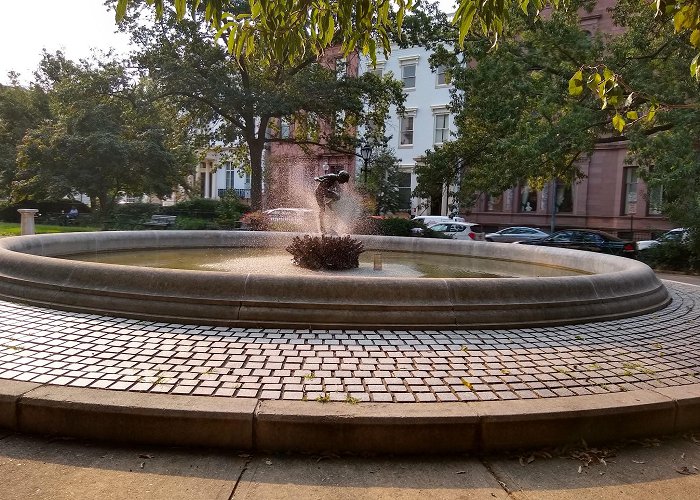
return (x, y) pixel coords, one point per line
(106, 138)
(290, 30)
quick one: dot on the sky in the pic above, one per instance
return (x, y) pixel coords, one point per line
(73, 26)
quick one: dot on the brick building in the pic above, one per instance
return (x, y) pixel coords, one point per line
(611, 196)
(290, 169)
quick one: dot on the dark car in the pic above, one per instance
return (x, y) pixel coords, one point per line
(589, 240)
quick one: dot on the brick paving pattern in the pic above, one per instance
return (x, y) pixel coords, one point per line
(81, 350)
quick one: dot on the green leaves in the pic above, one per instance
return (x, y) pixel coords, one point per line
(576, 84)
(465, 18)
(618, 122)
(686, 18)
(291, 31)
(605, 86)
(695, 38)
(651, 113)
(694, 67)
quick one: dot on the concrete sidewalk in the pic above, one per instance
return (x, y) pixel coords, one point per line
(690, 279)
(36, 468)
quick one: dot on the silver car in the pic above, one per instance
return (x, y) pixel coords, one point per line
(518, 233)
(679, 234)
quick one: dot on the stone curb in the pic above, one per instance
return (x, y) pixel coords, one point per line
(384, 428)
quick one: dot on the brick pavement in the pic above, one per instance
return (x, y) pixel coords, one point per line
(81, 350)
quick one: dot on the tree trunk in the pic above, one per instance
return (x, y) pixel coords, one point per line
(106, 204)
(256, 175)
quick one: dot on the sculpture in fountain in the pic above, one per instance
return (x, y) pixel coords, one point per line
(327, 193)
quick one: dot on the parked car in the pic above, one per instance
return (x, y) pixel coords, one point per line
(289, 214)
(518, 233)
(679, 234)
(460, 230)
(429, 220)
(589, 240)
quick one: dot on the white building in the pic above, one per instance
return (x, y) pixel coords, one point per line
(215, 175)
(425, 124)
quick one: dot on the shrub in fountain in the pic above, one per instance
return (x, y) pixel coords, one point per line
(326, 252)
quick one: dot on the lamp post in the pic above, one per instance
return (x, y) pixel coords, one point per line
(366, 154)
(553, 220)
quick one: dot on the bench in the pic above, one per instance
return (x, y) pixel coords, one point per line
(161, 221)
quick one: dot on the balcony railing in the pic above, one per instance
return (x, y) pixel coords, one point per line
(243, 194)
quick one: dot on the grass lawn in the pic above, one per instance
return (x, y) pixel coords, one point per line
(13, 229)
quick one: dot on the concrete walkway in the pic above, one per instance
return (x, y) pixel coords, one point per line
(34, 468)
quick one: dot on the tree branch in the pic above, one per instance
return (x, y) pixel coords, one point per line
(233, 120)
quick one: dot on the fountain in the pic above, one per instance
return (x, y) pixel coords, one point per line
(607, 288)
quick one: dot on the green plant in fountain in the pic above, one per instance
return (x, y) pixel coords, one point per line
(326, 252)
(325, 398)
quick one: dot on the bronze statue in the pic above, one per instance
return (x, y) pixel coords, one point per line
(328, 192)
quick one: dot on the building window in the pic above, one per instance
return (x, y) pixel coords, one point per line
(441, 77)
(494, 203)
(656, 195)
(404, 190)
(528, 199)
(341, 67)
(630, 191)
(565, 198)
(339, 119)
(285, 129)
(230, 173)
(408, 76)
(442, 128)
(407, 131)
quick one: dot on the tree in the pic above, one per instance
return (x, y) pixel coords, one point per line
(106, 138)
(513, 103)
(663, 36)
(666, 149)
(21, 109)
(239, 101)
(291, 29)
(381, 181)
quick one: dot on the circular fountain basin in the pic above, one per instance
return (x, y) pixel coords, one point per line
(602, 287)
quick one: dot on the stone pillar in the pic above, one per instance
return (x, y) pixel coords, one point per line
(207, 182)
(27, 221)
(214, 186)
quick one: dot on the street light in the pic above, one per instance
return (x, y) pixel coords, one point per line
(366, 154)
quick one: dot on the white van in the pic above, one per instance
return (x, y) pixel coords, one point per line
(429, 220)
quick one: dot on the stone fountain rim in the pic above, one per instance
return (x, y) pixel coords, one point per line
(618, 288)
